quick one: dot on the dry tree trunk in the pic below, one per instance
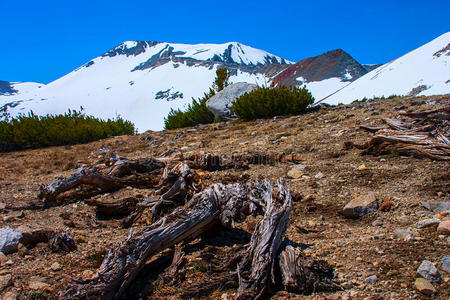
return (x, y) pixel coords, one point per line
(58, 241)
(217, 203)
(257, 269)
(427, 135)
(223, 204)
(302, 275)
(211, 162)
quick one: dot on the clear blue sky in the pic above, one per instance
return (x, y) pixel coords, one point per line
(43, 40)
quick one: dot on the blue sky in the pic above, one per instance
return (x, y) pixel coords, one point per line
(44, 40)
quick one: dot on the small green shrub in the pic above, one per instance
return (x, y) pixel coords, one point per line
(269, 102)
(197, 112)
(31, 131)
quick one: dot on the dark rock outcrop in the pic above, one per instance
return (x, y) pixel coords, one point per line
(336, 63)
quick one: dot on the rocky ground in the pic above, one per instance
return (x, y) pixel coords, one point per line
(376, 256)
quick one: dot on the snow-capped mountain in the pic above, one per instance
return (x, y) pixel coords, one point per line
(423, 71)
(141, 81)
(323, 74)
(13, 88)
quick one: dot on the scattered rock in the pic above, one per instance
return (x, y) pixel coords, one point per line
(361, 167)
(220, 103)
(9, 240)
(444, 228)
(5, 281)
(428, 271)
(2, 206)
(427, 223)
(9, 296)
(39, 285)
(319, 175)
(446, 263)
(405, 234)
(295, 173)
(363, 205)
(86, 275)
(3, 259)
(377, 222)
(371, 279)
(424, 286)
(56, 266)
(436, 206)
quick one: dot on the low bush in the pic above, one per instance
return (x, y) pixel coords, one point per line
(74, 127)
(269, 102)
(197, 112)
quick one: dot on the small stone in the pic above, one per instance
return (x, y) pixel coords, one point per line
(87, 274)
(56, 266)
(428, 271)
(9, 240)
(427, 223)
(39, 285)
(3, 259)
(319, 175)
(295, 173)
(347, 285)
(437, 206)
(9, 296)
(446, 263)
(359, 259)
(361, 167)
(2, 206)
(405, 234)
(424, 286)
(7, 219)
(5, 281)
(362, 205)
(377, 222)
(444, 228)
(371, 279)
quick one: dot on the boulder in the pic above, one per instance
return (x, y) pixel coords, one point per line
(437, 206)
(444, 228)
(424, 286)
(428, 271)
(428, 222)
(363, 205)
(446, 263)
(9, 240)
(220, 103)
(405, 234)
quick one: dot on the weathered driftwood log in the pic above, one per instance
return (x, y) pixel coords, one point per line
(303, 275)
(118, 173)
(112, 207)
(257, 269)
(212, 162)
(217, 204)
(427, 135)
(59, 241)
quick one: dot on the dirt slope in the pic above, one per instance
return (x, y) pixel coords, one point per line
(332, 177)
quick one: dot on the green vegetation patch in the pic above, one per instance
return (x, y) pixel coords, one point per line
(269, 102)
(74, 127)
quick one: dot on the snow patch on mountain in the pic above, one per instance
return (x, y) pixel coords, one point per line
(142, 81)
(423, 71)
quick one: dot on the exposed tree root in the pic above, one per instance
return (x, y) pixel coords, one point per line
(224, 204)
(60, 241)
(427, 135)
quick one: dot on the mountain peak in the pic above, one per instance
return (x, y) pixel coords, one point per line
(332, 64)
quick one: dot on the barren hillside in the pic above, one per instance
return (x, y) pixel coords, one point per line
(327, 177)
